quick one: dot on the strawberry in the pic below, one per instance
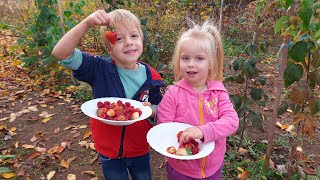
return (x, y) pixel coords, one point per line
(188, 145)
(99, 112)
(111, 36)
(100, 104)
(134, 115)
(178, 135)
(195, 150)
(171, 150)
(111, 113)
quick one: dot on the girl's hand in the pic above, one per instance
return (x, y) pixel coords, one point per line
(192, 132)
(149, 104)
(98, 18)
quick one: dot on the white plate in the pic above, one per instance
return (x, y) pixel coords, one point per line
(164, 135)
(89, 108)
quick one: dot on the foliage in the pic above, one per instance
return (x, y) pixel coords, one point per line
(300, 25)
(302, 73)
(247, 73)
(247, 168)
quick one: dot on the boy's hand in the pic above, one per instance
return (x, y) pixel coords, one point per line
(98, 18)
(192, 132)
(149, 104)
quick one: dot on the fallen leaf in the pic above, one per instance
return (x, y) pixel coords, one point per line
(8, 175)
(33, 108)
(243, 151)
(46, 119)
(91, 173)
(13, 117)
(84, 143)
(21, 173)
(56, 130)
(76, 135)
(92, 146)
(3, 119)
(278, 124)
(27, 146)
(243, 175)
(33, 155)
(51, 174)
(86, 135)
(94, 159)
(43, 105)
(71, 177)
(83, 126)
(33, 139)
(309, 171)
(43, 114)
(64, 164)
(289, 128)
(42, 150)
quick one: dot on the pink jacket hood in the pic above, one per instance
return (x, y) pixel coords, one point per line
(211, 111)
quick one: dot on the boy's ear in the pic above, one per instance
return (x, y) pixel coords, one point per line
(109, 50)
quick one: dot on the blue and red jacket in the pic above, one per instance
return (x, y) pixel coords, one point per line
(118, 141)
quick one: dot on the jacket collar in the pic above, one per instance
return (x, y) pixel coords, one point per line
(211, 85)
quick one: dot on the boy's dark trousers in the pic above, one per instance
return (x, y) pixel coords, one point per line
(117, 169)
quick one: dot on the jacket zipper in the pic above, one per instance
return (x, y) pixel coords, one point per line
(203, 160)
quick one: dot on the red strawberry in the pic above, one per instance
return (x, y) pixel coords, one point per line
(111, 37)
(99, 112)
(179, 134)
(171, 150)
(100, 104)
(194, 150)
(188, 145)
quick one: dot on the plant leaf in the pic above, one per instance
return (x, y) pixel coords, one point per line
(314, 105)
(256, 93)
(282, 108)
(299, 50)
(4, 170)
(281, 23)
(309, 126)
(300, 93)
(292, 73)
(256, 119)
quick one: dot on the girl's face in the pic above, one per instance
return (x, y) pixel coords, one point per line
(194, 63)
(128, 47)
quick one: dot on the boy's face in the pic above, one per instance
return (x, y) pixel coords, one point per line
(128, 47)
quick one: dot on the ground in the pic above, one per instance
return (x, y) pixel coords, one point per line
(47, 131)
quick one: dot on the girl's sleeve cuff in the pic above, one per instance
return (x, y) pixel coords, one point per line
(74, 61)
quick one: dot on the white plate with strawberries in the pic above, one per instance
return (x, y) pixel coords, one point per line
(116, 111)
(163, 138)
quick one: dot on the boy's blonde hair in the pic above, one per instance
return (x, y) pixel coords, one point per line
(209, 39)
(122, 18)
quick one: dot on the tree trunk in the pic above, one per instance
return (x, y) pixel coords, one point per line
(220, 19)
(279, 83)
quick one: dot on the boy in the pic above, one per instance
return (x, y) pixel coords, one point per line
(121, 148)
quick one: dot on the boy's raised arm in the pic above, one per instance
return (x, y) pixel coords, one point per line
(66, 45)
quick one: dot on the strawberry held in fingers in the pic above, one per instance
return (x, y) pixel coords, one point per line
(111, 36)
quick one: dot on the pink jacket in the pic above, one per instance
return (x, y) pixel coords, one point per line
(211, 111)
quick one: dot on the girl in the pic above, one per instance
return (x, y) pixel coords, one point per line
(200, 99)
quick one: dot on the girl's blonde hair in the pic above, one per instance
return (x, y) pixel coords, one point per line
(208, 37)
(120, 18)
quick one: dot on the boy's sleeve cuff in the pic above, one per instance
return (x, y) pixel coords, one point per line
(154, 119)
(74, 61)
